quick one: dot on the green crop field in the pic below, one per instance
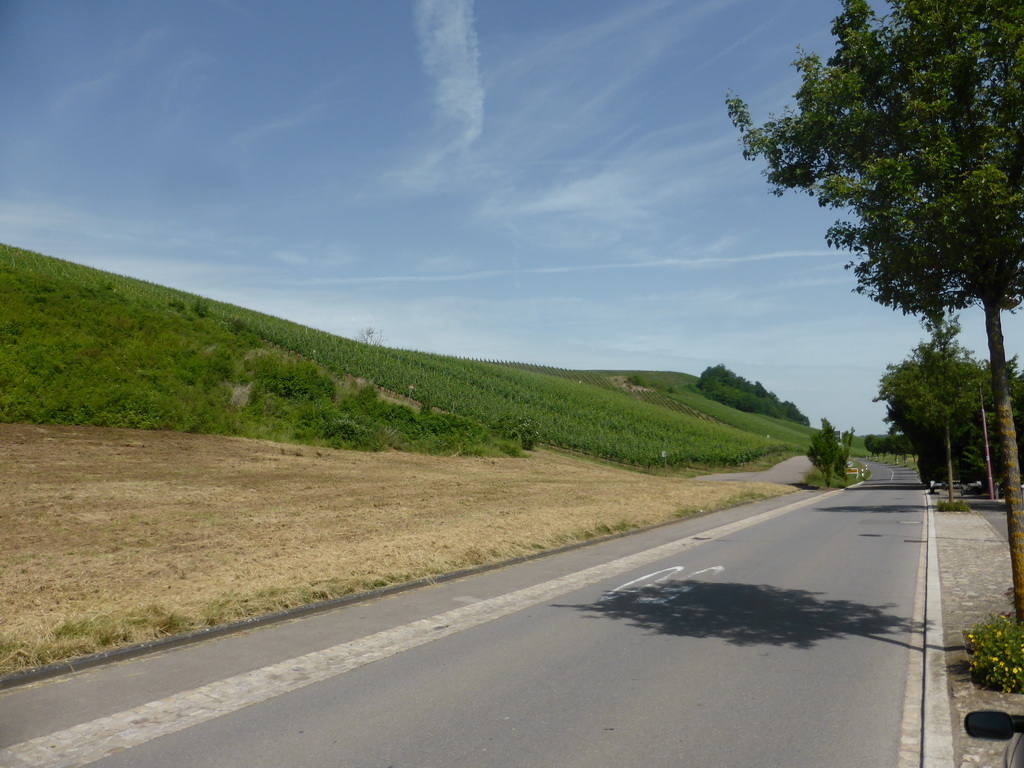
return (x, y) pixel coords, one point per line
(83, 346)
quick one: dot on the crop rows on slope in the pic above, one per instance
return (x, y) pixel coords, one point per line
(605, 381)
(593, 420)
(788, 431)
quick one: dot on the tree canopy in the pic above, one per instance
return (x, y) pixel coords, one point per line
(828, 453)
(723, 386)
(914, 129)
(894, 443)
(933, 398)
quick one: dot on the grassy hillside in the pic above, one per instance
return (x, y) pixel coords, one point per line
(82, 346)
(79, 347)
(682, 388)
(678, 391)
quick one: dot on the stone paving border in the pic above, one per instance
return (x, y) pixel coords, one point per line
(975, 566)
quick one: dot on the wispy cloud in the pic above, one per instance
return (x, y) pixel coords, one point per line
(450, 54)
(635, 193)
(564, 160)
(147, 249)
(254, 134)
(584, 81)
(110, 71)
(699, 262)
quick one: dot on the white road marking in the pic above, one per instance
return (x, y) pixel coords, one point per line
(664, 594)
(643, 579)
(716, 569)
(662, 576)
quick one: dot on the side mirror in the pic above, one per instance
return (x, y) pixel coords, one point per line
(996, 726)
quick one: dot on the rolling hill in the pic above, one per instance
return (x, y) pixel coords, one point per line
(84, 346)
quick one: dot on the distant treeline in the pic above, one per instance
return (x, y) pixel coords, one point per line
(722, 385)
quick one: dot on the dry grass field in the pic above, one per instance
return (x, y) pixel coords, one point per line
(111, 536)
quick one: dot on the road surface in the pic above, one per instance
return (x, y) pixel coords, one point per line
(777, 634)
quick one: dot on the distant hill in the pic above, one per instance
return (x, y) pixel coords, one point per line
(83, 346)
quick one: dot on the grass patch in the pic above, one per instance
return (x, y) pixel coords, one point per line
(816, 479)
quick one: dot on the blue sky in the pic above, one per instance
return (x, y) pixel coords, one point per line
(548, 181)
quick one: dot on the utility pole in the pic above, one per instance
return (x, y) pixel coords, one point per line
(988, 458)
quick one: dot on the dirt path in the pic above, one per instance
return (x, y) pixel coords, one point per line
(110, 536)
(789, 472)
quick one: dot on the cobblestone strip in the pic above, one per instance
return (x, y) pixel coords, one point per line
(92, 741)
(910, 754)
(975, 567)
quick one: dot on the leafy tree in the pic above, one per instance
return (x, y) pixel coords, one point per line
(893, 444)
(899, 445)
(720, 384)
(827, 453)
(933, 393)
(915, 129)
(874, 444)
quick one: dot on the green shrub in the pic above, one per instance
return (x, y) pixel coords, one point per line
(953, 506)
(520, 428)
(998, 658)
(338, 427)
(291, 378)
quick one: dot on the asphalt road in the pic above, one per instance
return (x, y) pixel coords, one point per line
(778, 634)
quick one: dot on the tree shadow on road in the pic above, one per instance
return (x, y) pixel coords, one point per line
(750, 614)
(890, 485)
(876, 509)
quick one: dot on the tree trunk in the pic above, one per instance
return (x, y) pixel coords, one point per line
(1008, 443)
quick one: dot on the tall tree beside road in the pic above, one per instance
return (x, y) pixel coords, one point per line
(932, 392)
(915, 129)
(827, 453)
